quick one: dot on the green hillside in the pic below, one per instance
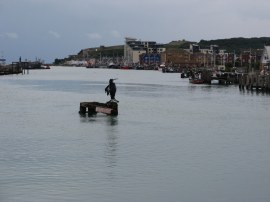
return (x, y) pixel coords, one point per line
(237, 44)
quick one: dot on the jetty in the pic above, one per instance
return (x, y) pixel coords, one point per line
(223, 78)
(255, 81)
(21, 67)
(92, 108)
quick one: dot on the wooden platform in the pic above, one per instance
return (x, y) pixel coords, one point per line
(109, 108)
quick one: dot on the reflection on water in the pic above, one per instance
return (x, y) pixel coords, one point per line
(110, 124)
(111, 140)
(111, 149)
(109, 120)
(254, 92)
(84, 118)
(112, 120)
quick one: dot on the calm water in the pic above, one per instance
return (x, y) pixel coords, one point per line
(172, 141)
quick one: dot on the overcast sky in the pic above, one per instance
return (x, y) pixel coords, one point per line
(49, 29)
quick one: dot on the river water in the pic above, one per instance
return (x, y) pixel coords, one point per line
(172, 140)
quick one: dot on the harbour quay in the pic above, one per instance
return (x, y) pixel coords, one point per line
(11, 69)
(21, 67)
(255, 81)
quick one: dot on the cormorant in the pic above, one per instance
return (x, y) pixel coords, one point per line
(111, 89)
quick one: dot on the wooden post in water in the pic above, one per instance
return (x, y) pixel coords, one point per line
(242, 81)
(254, 81)
(82, 109)
(267, 80)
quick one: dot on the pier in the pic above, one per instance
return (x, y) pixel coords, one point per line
(13, 68)
(21, 67)
(92, 108)
(226, 78)
(254, 81)
(223, 78)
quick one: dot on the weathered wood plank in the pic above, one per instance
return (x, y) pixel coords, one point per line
(109, 108)
(104, 110)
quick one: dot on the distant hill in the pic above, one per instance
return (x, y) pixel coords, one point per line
(180, 44)
(110, 51)
(230, 45)
(237, 44)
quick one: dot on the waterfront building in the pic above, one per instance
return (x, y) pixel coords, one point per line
(194, 48)
(214, 49)
(182, 58)
(195, 56)
(134, 49)
(265, 58)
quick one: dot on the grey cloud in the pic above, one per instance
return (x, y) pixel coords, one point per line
(108, 22)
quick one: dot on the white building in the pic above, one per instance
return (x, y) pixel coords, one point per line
(265, 59)
(134, 48)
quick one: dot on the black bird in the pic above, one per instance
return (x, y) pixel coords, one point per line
(111, 89)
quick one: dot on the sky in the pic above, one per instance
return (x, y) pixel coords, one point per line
(50, 29)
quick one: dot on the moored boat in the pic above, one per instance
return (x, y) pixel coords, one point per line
(196, 80)
(45, 67)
